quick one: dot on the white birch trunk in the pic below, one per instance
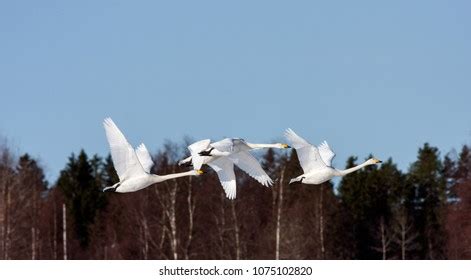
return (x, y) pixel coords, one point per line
(278, 215)
(64, 231)
(236, 229)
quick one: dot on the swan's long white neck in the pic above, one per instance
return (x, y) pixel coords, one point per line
(161, 178)
(261, 146)
(353, 169)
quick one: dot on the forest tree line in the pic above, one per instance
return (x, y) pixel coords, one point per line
(378, 212)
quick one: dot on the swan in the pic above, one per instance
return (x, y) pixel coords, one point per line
(206, 149)
(316, 162)
(221, 157)
(133, 166)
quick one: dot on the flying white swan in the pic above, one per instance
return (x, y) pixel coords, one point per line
(206, 149)
(317, 161)
(222, 156)
(133, 166)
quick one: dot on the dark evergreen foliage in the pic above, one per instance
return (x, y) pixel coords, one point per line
(378, 212)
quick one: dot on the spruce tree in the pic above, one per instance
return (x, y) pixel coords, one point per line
(427, 180)
(368, 196)
(81, 190)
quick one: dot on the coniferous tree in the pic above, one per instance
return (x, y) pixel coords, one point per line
(82, 194)
(369, 197)
(458, 212)
(426, 178)
(31, 184)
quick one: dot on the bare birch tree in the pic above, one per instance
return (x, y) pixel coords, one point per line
(404, 234)
(384, 236)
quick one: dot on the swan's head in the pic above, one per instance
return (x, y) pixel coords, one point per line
(283, 146)
(198, 172)
(374, 161)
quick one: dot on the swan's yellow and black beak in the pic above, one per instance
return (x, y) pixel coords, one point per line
(199, 172)
(377, 161)
(285, 146)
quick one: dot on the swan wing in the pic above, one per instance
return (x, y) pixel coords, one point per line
(326, 153)
(225, 145)
(124, 157)
(248, 163)
(231, 145)
(240, 145)
(195, 148)
(225, 170)
(308, 154)
(144, 157)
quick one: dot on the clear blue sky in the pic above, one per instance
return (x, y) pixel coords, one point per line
(367, 76)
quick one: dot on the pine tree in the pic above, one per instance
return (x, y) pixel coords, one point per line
(458, 212)
(426, 178)
(369, 196)
(463, 169)
(82, 194)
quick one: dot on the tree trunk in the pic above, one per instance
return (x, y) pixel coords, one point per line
(64, 231)
(173, 221)
(144, 235)
(278, 214)
(403, 243)
(54, 233)
(33, 243)
(191, 210)
(7, 240)
(321, 222)
(236, 230)
(383, 238)
(34, 210)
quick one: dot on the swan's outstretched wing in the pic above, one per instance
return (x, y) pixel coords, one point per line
(248, 163)
(231, 145)
(225, 145)
(308, 155)
(124, 157)
(195, 148)
(326, 153)
(144, 157)
(240, 145)
(225, 170)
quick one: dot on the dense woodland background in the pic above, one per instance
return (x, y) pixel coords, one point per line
(376, 213)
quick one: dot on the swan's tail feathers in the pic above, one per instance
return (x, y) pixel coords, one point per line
(111, 189)
(296, 181)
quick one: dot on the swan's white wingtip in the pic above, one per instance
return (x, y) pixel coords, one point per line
(142, 146)
(288, 131)
(108, 121)
(230, 195)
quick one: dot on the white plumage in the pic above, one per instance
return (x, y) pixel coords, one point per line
(222, 155)
(132, 166)
(316, 162)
